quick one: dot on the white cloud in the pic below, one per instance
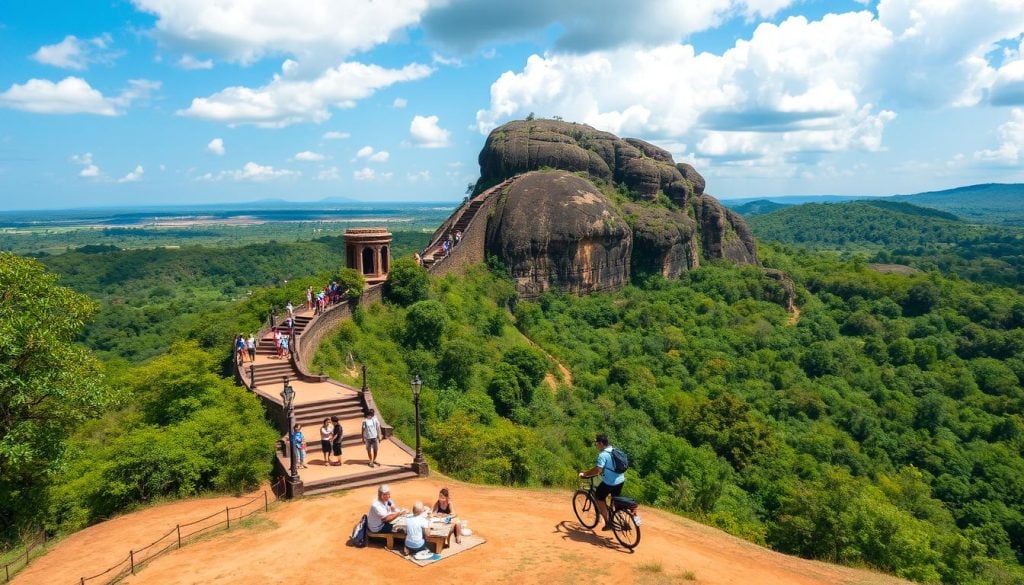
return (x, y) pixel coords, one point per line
(247, 31)
(289, 99)
(417, 177)
(439, 59)
(216, 146)
(364, 174)
(75, 53)
(71, 95)
(251, 172)
(329, 174)
(133, 176)
(939, 56)
(309, 156)
(369, 154)
(191, 63)
(89, 169)
(335, 135)
(1010, 151)
(789, 93)
(399, 103)
(426, 133)
(1008, 80)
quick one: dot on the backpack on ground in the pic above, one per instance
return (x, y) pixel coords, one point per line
(359, 533)
(620, 462)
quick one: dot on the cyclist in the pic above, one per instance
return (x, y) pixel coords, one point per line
(611, 482)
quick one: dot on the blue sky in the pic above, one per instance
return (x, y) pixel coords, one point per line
(201, 101)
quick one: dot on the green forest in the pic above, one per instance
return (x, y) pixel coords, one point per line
(879, 425)
(891, 232)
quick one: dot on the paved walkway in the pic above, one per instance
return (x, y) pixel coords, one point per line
(315, 401)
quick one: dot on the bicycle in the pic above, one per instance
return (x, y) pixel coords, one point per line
(625, 518)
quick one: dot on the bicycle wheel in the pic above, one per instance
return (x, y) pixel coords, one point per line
(585, 507)
(626, 529)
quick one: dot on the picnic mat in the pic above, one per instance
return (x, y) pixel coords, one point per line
(467, 543)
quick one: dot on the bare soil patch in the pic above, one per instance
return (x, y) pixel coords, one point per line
(532, 537)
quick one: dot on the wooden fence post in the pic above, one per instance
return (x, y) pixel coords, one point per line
(178, 527)
(266, 502)
(131, 558)
(227, 512)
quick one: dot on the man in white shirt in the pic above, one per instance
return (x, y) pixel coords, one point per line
(371, 436)
(383, 511)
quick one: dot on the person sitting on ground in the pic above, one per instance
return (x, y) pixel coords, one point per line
(417, 529)
(443, 505)
(383, 511)
(371, 437)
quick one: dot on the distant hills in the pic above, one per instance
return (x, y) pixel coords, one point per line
(862, 224)
(993, 203)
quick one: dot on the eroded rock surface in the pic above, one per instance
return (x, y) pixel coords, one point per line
(557, 230)
(590, 209)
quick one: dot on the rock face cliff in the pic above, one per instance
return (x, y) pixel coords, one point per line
(590, 210)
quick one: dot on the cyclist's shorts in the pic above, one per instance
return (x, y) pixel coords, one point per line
(604, 490)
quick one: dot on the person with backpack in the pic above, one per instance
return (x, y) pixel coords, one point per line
(371, 437)
(611, 466)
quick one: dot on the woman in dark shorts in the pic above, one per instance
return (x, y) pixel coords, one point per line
(326, 432)
(336, 436)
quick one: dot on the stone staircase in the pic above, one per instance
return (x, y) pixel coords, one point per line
(342, 401)
(431, 254)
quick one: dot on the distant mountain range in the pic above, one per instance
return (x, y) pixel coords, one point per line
(993, 203)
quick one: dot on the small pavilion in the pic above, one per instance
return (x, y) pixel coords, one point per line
(368, 250)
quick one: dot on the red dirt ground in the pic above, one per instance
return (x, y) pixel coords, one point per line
(532, 537)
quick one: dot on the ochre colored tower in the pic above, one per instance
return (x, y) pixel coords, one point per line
(368, 250)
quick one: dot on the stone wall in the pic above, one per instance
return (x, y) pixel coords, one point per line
(471, 249)
(322, 326)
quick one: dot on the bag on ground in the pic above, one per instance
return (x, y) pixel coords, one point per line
(359, 533)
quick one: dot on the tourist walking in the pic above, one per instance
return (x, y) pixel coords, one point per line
(240, 349)
(250, 344)
(336, 435)
(371, 436)
(298, 442)
(291, 309)
(277, 343)
(309, 298)
(325, 441)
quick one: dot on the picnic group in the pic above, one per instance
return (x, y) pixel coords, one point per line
(386, 518)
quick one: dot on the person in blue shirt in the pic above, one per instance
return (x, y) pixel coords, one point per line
(611, 482)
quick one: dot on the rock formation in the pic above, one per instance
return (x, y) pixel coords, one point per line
(591, 209)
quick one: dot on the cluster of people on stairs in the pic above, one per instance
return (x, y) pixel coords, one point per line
(331, 435)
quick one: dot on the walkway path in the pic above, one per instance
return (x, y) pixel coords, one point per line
(314, 401)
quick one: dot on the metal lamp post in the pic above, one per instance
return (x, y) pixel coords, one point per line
(288, 399)
(418, 463)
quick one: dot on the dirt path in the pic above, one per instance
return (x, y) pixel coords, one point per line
(550, 379)
(794, 316)
(532, 537)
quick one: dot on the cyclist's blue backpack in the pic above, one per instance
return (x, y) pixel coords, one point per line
(620, 462)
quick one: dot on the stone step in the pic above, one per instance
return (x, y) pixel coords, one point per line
(375, 476)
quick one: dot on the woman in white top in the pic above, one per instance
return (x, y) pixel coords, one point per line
(325, 440)
(416, 529)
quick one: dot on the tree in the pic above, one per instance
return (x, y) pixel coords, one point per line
(47, 383)
(425, 324)
(352, 282)
(407, 283)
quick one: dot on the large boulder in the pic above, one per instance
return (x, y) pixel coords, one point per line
(585, 209)
(554, 229)
(529, 145)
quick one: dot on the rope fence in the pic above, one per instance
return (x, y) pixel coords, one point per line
(183, 534)
(21, 561)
